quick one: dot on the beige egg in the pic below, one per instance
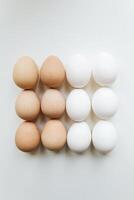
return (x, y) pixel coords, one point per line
(52, 72)
(27, 105)
(27, 137)
(54, 135)
(53, 103)
(25, 73)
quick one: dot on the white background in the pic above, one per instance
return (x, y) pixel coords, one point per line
(63, 27)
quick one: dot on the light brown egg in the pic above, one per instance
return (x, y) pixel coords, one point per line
(52, 72)
(27, 105)
(26, 73)
(54, 135)
(27, 137)
(53, 103)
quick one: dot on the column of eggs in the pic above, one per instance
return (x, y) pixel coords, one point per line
(53, 104)
(28, 106)
(78, 105)
(104, 103)
(26, 76)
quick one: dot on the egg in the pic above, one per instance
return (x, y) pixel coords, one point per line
(78, 105)
(52, 72)
(53, 103)
(27, 137)
(105, 71)
(79, 137)
(104, 136)
(78, 71)
(27, 105)
(25, 73)
(104, 103)
(54, 135)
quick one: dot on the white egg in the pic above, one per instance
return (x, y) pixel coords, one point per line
(78, 71)
(104, 103)
(78, 105)
(104, 136)
(79, 137)
(105, 71)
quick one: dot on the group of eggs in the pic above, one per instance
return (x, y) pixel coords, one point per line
(77, 105)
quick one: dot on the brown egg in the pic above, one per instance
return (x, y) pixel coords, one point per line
(52, 72)
(54, 135)
(27, 105)
(53, 103)
(27, 137)
(26, 73)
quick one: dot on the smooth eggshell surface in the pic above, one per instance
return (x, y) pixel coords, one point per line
(27, 105)
(78, 105)
(104, 136)
(52, 72)
(79, 137)
(78, 71)
(54, 135)
(104, 103)
(26, 73)
(53, 103)
(105, 71)
(27, 137)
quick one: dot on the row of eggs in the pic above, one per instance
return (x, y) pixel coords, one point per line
(78, 71)
(78, 138)
(78, 105)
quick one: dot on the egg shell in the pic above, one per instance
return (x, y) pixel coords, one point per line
(105, 71)
(78, 71)
(52, 72)
(54, 135)
(27, 137)
(53, 103)
(26, 73)
(27, 105)
(104, 103)
(78, 105)
(79, 137)
(104, 136)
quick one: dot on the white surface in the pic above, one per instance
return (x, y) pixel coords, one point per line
(104, 136)
(78, 105)
(79, 137)
(78, 71)
(105, 71)
(39, 28)
(105, 103)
